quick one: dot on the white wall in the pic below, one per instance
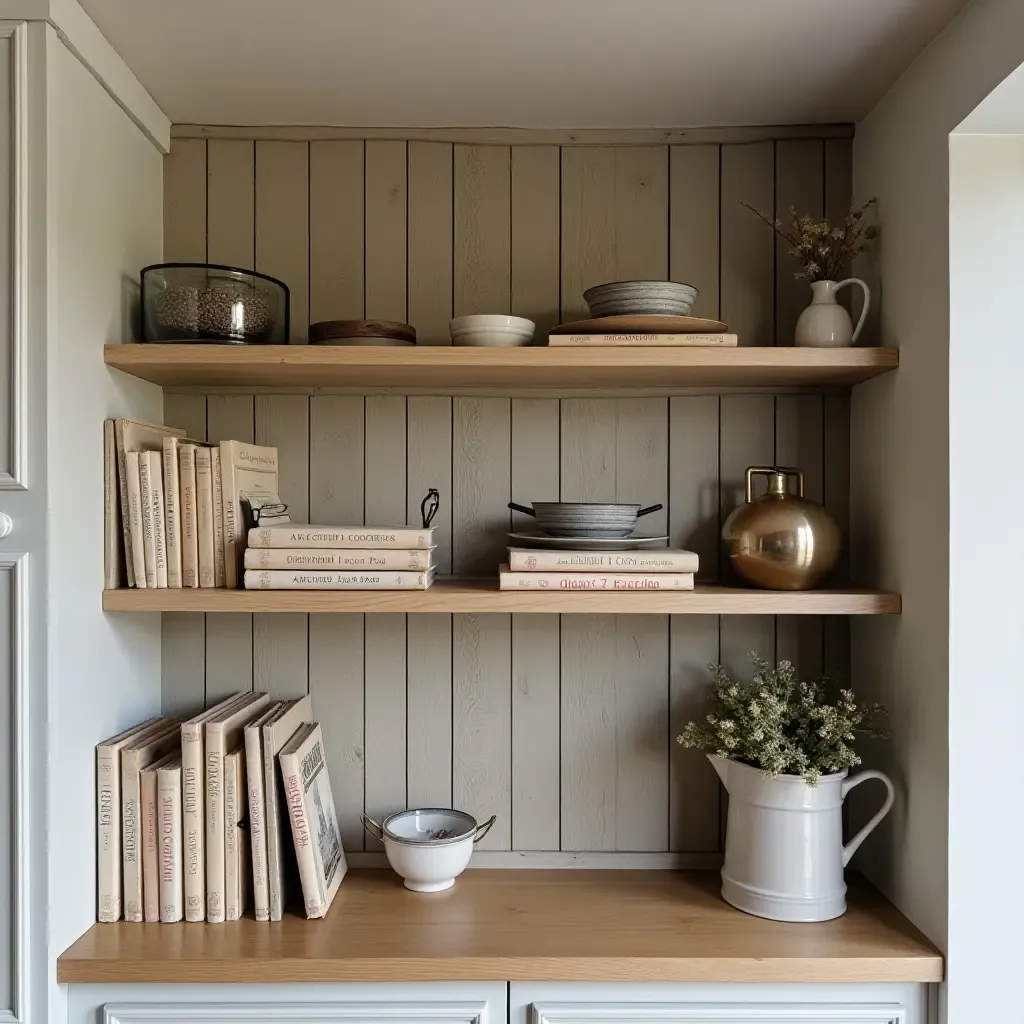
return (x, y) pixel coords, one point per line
(905, 429)
(105, 221)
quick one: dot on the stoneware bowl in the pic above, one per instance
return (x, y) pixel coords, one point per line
(429, 847)
(641, 298)
(492, 329)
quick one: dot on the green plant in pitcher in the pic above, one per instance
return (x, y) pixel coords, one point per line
(782, 725)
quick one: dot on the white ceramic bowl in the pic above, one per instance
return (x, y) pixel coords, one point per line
(429, 847)
(492, 329)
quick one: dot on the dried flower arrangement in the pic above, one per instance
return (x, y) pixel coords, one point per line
(781, 725)
(823, 250)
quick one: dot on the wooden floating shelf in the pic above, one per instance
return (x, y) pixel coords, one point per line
(483, 596)
(519, 926)
(445, 368)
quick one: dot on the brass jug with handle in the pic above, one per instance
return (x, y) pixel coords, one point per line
(781, 541)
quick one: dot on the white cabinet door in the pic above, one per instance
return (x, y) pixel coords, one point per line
(698, 1003)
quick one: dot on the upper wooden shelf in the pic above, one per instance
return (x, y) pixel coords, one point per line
(569, 925)
(447, 368)
(483, 596)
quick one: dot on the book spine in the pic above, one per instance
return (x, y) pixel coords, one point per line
(231, 816)
(131, 828)
(172, 511)
(150, 849)
(233, 527)
(272, 825)
(204, 517)
(218, 519)
(257, 817)
(601, 581)
(189, 523)
(214, 824)
(108, 834)
(291, 536)
(193, 820)
(169, 822)
(275, 579)
(112, 532)
(606, 561)
(722, 340)
(138, 546)
(148, 533)
(295, 800)
(156, 490)
(122, 488)
(350, 561)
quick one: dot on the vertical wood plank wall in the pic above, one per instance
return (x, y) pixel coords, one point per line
(562, 726)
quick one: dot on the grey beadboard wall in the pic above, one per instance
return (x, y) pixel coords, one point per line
(561, 725)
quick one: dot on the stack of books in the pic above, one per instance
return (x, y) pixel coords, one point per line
(621, 569)
(293, 557)
(175, 508)
(191, 815)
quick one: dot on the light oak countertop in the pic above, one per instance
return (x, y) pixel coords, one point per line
(519, 925)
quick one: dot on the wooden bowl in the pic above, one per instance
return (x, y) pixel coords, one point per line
(371, 332)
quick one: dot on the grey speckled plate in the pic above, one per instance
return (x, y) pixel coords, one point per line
(542, 540)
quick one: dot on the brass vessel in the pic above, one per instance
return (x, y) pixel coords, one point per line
(781, 541)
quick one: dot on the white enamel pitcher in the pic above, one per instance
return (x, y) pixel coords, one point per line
(784, 852)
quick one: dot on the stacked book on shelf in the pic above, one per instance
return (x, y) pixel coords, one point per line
(620, 570)
(287, 556)
(206, 819)
(176, 509)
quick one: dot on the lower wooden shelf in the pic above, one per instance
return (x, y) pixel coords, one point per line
(483, 596)
(519, 925)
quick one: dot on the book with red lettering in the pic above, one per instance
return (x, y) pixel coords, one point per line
(605, 582)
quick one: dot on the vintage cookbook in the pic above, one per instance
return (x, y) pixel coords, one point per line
(314, 821)
(218, 519)
(168, 799)
(148, 519)
(223, 733)
(189, 516)
(204, 517)
(654, 560)
(290, 535)
(172, 511)
(256, 791)
(607, 581)
(135, 436)
(308, 579)
(193, 809)
(643, 340)
(108, 818)
(275, 735)
(151, 837)
(237, 870)
(134, 757)
(133, 473)
(155, 460)
(248, 474)
(349, 559)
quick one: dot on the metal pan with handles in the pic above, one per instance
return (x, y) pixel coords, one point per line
(584, 518)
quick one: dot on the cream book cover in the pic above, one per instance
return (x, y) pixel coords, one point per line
(114, 537)
(218, 519)
(135, 436)
(291, 535)
(172, 510)
(223, 734)
(133, 473)
(108, 818)
(148, 520)
(275, 735)
(314, 821)
(193, 806)
(189, 516)
(349, 560)
(258, 808)
(150, 843)
(155, 461)
(640, 561)
(204, 517)
(134, 757)
(310, 579)
(236, 848)
(168, 798)
(593, 581)
(248, 473)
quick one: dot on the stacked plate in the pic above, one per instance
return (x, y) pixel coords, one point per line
(650, 298)
(585, 519)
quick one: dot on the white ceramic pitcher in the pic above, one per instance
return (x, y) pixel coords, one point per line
(826, 324)
(784, 853)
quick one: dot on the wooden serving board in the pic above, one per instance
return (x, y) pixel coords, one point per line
(643, 325)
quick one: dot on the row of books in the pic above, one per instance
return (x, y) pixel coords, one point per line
(190, 815)
(656, 569)
(287, 556)
(176, 509)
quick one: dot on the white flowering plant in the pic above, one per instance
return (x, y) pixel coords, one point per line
(782, 725)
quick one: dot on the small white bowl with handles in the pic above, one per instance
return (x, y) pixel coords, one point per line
(429, 847)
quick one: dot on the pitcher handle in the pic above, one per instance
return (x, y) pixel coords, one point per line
(482, 830)
(867, 304)
(373, 827)
(851, 847)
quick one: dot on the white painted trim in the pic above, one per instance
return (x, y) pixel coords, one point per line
(729, 1013)
(17, 478)
(568, 859)
(18, 565)
(79, 34)
(295, 1013)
